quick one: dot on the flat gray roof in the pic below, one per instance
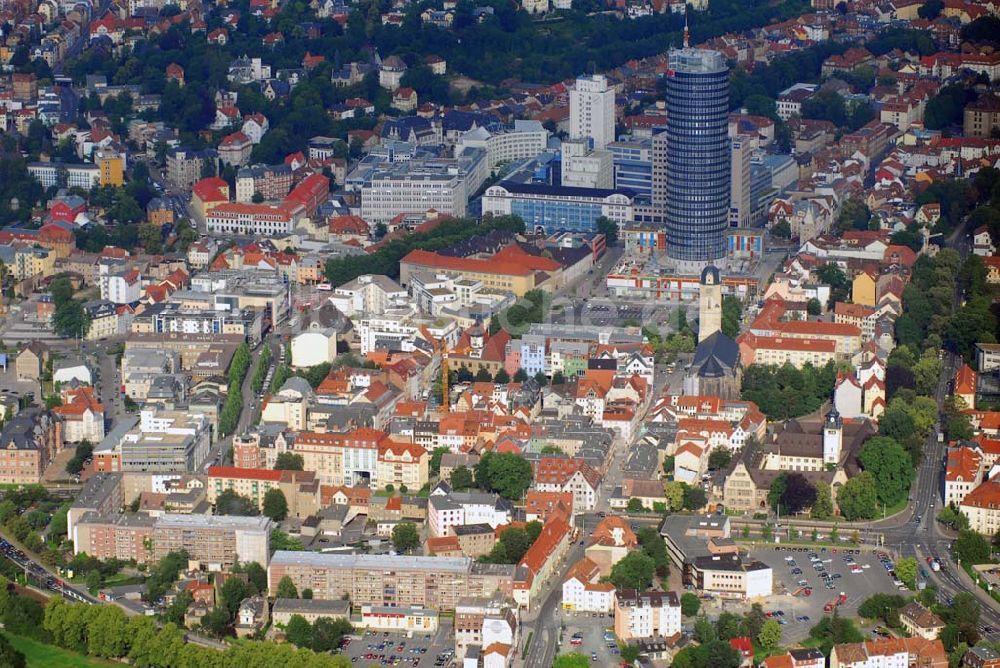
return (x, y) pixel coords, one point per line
(370, 561)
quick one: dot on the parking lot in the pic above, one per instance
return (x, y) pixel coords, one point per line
(589, 634)
(383, 648)
(858, 573)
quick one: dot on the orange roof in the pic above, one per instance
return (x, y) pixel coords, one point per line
(965, 380)
(985, 496)
(542, 503)
(553, 533)
(497, 648)
(963, 465)
(784, 343)
(818, 328)
(433, 260)
(514, 253)
(77, 402)
(584, 570)
(614, 530)
(558, 470)
(853, 310)
(779, 661)
(238, 472)
(439, 544)
(211, 189)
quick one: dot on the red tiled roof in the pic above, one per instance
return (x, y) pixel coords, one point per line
(238, 472)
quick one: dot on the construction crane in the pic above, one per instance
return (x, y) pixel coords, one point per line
(444, 378)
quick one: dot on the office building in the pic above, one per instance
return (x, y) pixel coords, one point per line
(434, 582)
(558, 208)
(633, 166)
(583, 167)
(165, 441)
(419, 185)
(698, 158)
(506, 143)
(592, 110)
(741, 200)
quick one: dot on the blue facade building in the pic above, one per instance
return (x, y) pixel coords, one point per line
(698, 157)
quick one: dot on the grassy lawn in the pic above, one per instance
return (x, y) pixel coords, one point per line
(40, 655)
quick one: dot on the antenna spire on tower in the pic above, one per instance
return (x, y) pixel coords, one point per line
(687, 33)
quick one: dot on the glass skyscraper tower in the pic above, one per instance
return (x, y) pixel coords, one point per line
(698, 157)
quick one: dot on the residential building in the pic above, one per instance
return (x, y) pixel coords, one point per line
(582, 590)
(646, 614)
(217, 541)
(920, 622)
(30, 439)
(982, 507)
(431, 582)
(82, 415)
(888, 652)
(300, 489)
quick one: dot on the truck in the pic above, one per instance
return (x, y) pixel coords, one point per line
(840, 600)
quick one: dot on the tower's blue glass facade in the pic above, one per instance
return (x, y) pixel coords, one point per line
(698, 156)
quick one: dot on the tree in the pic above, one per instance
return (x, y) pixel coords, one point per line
(906, 571)
(732, 311)
(628, 653)
(328, 633)
(770, 634)
(504, 473)
(814, 307)
(858, 498)
(435, 462)
(690, 604)
(405, 537)
(275, 504)
(286, 588)
(798, 493)
(931, 9)
(720, 458)
(965, 610)
(502, 377)
(822, 508)
(10, 657)
(882, 606)
(835, 630)
(256, 575)
(609, 229)
(634, 571)
(704, 631)
(673, 491)
(299, 632)
(307, 594)
(971, 547)
(151, 238)
(694, 498)
(231, 503)
(288, 461)
(890, 466)
(635, 506)
(461, 478)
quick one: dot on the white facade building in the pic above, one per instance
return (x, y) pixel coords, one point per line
(592, 110)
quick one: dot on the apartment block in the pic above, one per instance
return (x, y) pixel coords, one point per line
(216, 541)
(890, 653)
(431, 582)
(300, 488)
(646, 614)
(29, 441)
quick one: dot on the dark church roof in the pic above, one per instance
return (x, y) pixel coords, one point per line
(716, 356)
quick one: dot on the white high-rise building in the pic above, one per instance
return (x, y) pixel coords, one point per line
(592, 110)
